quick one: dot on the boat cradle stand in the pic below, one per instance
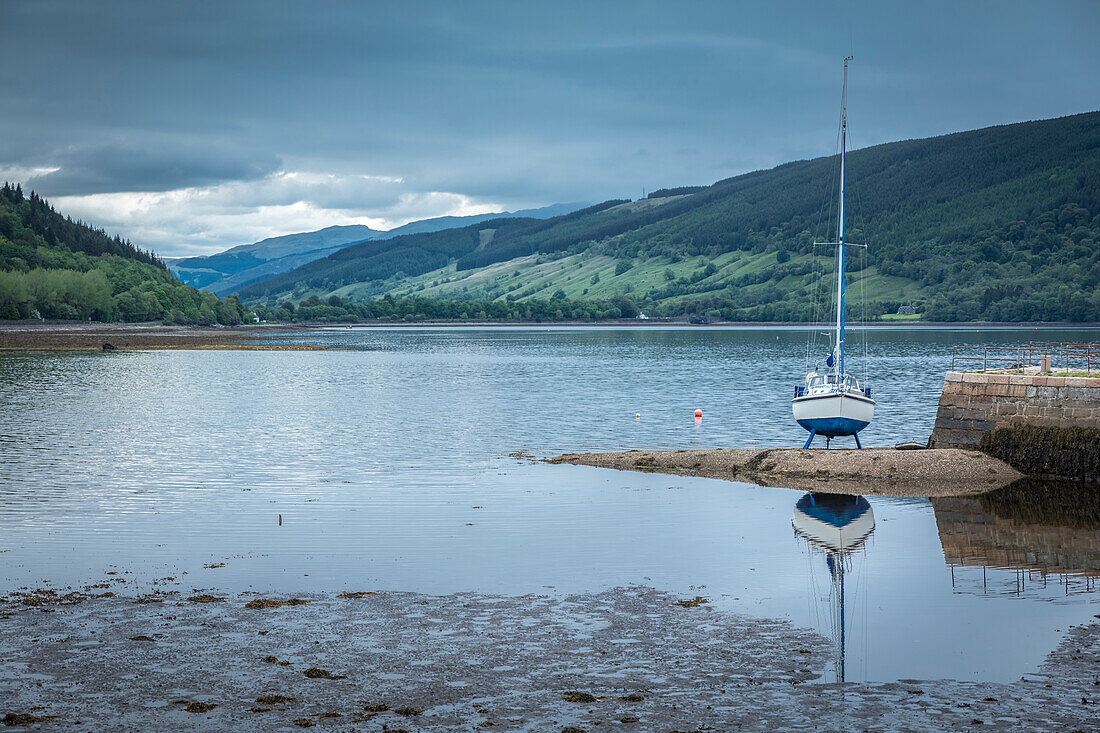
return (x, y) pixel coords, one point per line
(827, 440)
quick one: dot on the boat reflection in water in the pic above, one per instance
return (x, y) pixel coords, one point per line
(836, 526)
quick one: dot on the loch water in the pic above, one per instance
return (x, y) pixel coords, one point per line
(404, 459)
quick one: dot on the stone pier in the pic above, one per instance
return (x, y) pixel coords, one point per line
(1039, 424)
(972, 404)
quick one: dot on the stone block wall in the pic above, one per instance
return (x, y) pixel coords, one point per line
(972, 404)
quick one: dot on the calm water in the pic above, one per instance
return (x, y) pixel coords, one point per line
(388, 466)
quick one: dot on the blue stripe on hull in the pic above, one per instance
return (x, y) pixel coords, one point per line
(833, 426)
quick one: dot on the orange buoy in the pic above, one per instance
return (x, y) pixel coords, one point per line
(698, 413)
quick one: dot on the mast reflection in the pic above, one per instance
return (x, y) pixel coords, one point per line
(837, 526)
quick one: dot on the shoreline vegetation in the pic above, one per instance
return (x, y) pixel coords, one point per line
(62, 336)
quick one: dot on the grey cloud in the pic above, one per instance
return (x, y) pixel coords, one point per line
(123, 167)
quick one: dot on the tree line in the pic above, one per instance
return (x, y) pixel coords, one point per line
(54, 267)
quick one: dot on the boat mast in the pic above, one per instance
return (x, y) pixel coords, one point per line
(840, 233)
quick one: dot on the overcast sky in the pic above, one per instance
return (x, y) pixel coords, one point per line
(190, 127)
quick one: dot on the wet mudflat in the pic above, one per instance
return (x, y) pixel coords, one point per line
(626, 658)
(112, 337)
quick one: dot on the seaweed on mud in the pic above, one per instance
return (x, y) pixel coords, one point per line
(379, 708)
(304, 723)
(213, 565)
(199, 707)
(274, 603)
(315, 673)
(408, 712)
(13, 719)
(259, 709)
(571, 729)
(46, 596)
(632, 697)
(486, 724)
(692, 602)
(275, 660)
(628, 719)
(358, 593)
(205, 598)
(332, 714)
(141, 637)
(148, 599)
(275, 699)
(578, 696)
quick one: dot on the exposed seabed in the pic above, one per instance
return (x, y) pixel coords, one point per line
(631, 658)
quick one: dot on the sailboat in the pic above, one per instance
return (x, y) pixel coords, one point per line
(838, 526)
(833, 403)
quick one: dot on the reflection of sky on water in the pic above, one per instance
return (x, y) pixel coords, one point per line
(377, 459)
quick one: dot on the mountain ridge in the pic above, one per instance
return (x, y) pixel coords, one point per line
(225, 272)
(998, 223)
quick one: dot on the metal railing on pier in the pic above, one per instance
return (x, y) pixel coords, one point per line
(1055, 357)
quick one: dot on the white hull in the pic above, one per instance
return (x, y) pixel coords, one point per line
(830, 537)
(833, 414)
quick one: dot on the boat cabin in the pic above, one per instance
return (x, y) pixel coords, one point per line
(829, 384)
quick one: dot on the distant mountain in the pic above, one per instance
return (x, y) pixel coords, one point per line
(228, 271)
(452, 222)
(1000, 224)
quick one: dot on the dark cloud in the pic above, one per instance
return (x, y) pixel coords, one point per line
(126, 167)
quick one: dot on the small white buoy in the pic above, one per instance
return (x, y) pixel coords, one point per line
(638, 415)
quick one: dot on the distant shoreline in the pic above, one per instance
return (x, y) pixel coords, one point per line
(64, 336)
(652, 323)
(23, 336)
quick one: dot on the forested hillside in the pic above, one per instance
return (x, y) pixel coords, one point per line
(57, 268)
(996, 224)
